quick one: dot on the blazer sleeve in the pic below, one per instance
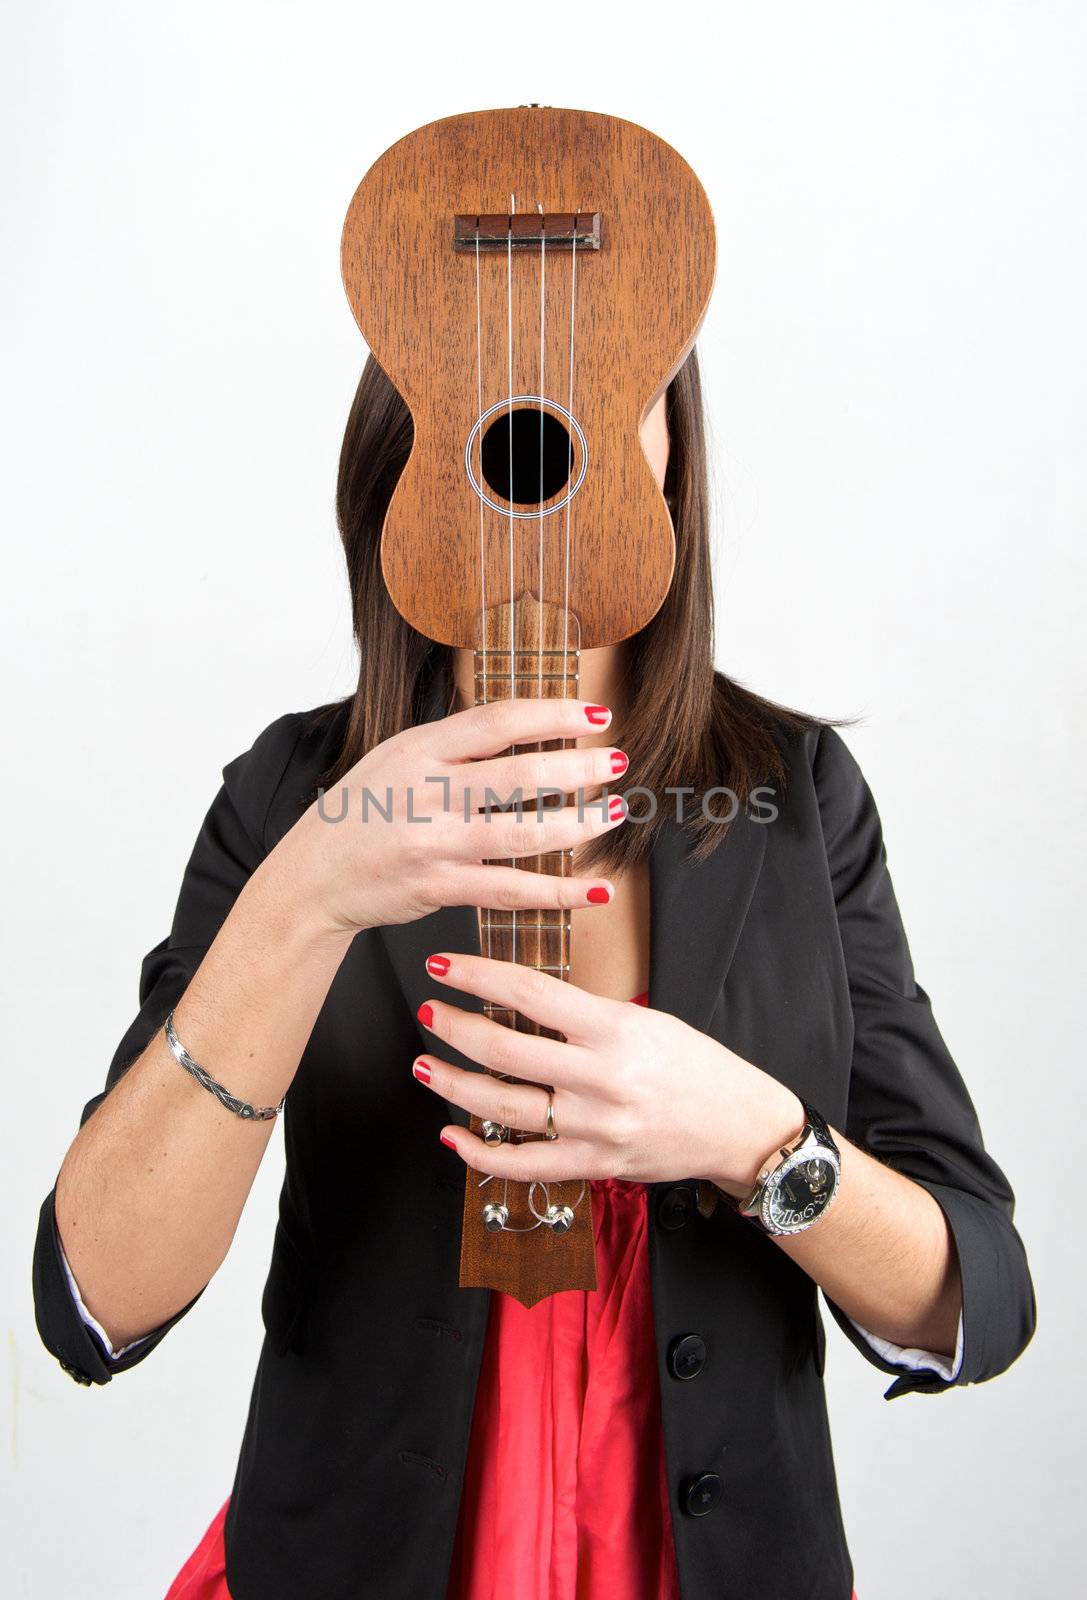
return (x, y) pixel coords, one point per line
(908, 1104)
(230, 845)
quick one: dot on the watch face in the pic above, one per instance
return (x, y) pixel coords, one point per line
(804, 1190)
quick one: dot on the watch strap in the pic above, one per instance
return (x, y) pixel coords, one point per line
(817, 1123)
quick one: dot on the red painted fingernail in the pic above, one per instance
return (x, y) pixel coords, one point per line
(616, 811)
(425, 1014)
(597, 715)
(598, 896)
(421, 1071)
(438, 965)
(452, 1143)
(619, 762)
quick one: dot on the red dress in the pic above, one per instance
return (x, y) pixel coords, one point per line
(565, 1491)
(568, 1402)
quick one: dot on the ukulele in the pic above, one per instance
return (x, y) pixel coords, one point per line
(530, 279)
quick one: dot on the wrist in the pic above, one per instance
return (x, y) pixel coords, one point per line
(282, 892)
(776, 1123)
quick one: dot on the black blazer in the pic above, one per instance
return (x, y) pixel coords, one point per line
(786, 945)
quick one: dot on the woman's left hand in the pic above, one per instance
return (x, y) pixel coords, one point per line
(637, 1094)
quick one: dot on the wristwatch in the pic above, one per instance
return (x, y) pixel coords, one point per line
(794, 1194)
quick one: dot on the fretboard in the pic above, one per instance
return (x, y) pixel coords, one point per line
(531, 650)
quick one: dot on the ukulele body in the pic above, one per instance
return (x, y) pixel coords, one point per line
(631, 305)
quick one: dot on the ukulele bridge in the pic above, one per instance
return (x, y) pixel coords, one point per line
(527, 230)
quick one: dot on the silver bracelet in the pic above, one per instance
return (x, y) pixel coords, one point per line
(241, 1108)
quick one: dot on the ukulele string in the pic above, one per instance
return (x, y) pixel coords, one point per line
(513, 599)
(570, 454)
(479, 436)
(540, 650)
(509, 489)
(540, 919)
(566, 859)
(486, 917)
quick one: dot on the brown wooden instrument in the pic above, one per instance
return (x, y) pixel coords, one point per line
(530, 279)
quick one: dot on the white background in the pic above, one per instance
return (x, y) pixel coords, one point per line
(895, 359)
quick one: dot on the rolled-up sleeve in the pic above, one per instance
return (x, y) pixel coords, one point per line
(229, 847)
(908, 1105)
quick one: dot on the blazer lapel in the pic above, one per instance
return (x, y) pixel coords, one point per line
(697, 912)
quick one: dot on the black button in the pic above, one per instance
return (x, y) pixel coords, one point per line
(674, 1208)
(701, 1495)
(74, 1372)
(687, 1356)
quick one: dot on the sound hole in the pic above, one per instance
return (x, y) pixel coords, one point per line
(555, 460)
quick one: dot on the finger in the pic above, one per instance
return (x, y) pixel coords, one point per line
(543, 1160)
(499, 1047)
(504, 779)
(513, 1105)
(490, 729)
(501, 888)
(552, 1002)
(503, 836)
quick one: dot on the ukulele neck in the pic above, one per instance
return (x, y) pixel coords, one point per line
(528, 649)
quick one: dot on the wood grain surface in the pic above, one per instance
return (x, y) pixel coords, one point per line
(638, 304)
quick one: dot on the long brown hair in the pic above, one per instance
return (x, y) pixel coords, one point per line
(689, 727)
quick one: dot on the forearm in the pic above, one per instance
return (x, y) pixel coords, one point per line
(883, 1252)
(151, 1190)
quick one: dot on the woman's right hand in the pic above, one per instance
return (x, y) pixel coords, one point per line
(421, 844)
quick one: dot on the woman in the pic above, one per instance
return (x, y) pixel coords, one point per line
(664, 1434)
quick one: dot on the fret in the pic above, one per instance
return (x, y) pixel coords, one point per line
(522, 677)
(523, 925)
(543, 966)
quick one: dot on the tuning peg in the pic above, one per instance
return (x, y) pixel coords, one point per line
(495, 1217)
(560, 1219)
